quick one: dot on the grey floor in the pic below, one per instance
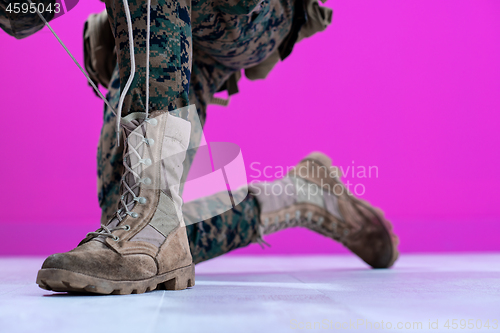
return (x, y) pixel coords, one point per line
(273, 294)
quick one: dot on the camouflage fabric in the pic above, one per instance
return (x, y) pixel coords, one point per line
(228, 231)
(240, 34)
(170, 53)
(22, 25)
(227, 37)
(109, 155)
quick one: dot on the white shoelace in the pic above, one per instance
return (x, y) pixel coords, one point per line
(132, 63)
(128, 190)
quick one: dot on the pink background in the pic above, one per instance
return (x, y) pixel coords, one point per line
(411, 87)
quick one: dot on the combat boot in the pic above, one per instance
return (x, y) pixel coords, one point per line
(313, 196)
(144, 246)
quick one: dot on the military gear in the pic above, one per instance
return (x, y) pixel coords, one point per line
(208, 75)
(145, 244)
(313, 196)
(309, 18)
(223, 233)
(239, 226)
(99, 49)
(240, 38)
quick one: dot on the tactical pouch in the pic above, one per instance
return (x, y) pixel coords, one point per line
(99, 49)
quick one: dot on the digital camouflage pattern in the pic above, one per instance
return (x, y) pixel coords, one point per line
(233, 229)
(22, 25)
(240, 34)
(225, 36)
(170, 53)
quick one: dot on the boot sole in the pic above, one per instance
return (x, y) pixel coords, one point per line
(325, 161)
(61, 280)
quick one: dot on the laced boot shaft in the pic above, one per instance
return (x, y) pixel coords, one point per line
(146, 240)
(294, 202)
(136, 143)
(313, 196)
(152, 172)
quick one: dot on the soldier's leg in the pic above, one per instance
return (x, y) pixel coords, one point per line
(236, 228)
(233, 229)
(239, 226)
(168, 81)
(169, 56)
(144, 245)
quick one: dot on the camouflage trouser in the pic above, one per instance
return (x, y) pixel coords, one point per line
(227, 35)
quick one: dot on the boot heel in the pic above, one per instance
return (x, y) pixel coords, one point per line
(184, 279)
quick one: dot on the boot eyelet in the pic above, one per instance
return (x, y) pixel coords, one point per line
(116, 238)
(134, 215)
(126, 227)
(141, 200)
(152, 122)
(149, 142)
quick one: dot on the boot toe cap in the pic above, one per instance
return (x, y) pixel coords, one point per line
(376, 242)
(105, 264)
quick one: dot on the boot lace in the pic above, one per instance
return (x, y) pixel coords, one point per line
(130, 188)
(125, 205)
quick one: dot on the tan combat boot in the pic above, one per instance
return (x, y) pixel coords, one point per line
(144, 246)
(313, 196)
